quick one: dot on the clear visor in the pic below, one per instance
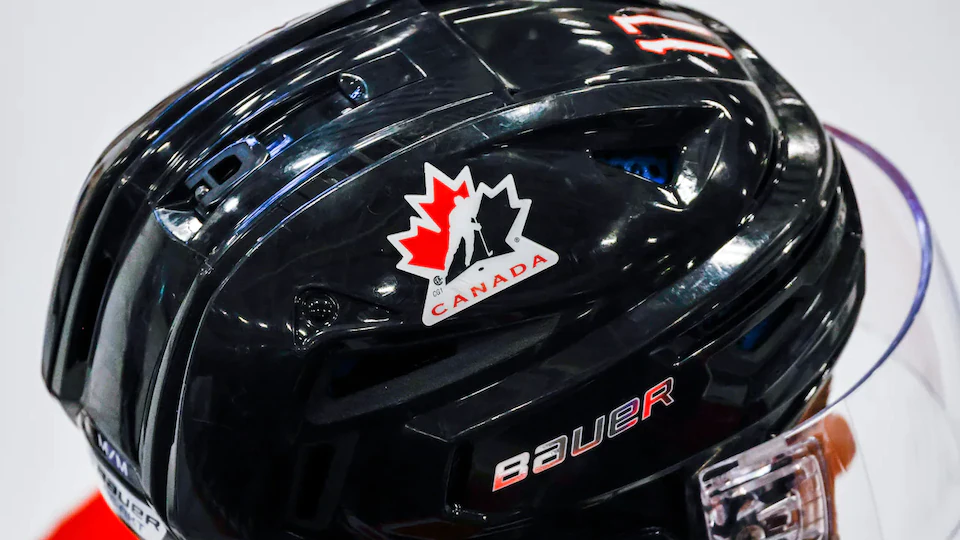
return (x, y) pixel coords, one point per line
(878, 454)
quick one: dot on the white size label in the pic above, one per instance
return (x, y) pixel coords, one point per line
(135, 512)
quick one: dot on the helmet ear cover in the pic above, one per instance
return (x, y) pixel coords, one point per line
(388, 273)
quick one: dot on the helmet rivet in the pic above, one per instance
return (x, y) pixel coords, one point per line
(319, 309)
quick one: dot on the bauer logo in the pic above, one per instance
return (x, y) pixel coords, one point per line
(134, 511)
(583, 439)
(468, 241)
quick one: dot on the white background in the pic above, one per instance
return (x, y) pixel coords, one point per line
(75, 73)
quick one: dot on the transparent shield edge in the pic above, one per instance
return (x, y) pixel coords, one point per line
(880, 458)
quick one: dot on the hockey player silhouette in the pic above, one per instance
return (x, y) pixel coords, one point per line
(463, 229)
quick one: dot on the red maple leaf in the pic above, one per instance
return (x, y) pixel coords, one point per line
(429, 248)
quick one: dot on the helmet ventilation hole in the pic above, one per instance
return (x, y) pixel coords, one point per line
(652, 167)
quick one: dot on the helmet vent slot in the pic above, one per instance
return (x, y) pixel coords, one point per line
(319, 475)
(311, 474)
(757, 336)
(227, 167)
(652, 166)
(70, 378)
(354, 372)
(672, 148)
(92, 284)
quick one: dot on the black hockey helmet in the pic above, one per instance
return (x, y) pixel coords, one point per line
(444, 269)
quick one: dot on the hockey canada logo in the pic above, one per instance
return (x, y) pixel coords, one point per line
(467, 241)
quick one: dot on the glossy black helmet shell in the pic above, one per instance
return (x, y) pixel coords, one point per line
(261, 307)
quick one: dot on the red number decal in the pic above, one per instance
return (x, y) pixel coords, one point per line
(661, 46)
(631, 25)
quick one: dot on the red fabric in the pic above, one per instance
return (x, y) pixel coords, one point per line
(93, 520)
